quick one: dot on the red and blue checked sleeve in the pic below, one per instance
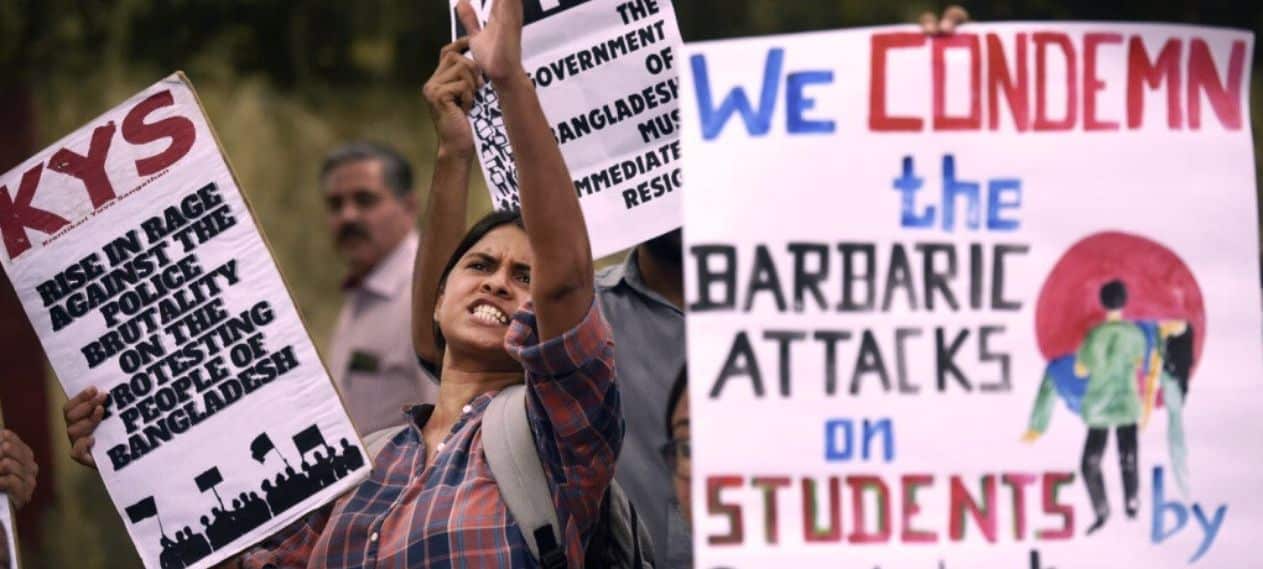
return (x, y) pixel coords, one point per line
(575, 413)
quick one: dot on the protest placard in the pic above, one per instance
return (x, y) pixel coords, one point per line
(987, 300)
(141, 268)
(606, 76)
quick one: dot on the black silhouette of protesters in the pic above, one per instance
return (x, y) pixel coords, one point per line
(216, 530)
(291, 487)
(186, 549)
(170, 557)
(327, 467)
(248, 512)
(224, 525)
(196, 546)
(322, 472)
(340, 466)
(254, 511)
(273, 496)
(350, 457)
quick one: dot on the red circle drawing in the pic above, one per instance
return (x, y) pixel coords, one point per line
(1159, 287)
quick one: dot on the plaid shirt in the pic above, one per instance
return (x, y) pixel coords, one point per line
(450, 513)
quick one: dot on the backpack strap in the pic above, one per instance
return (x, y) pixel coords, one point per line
(627, 529)
(638, 558)
(509, 444)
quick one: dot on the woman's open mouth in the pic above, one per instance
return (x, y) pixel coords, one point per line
(490, 314)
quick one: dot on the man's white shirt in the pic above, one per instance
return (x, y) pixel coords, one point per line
(371, 357)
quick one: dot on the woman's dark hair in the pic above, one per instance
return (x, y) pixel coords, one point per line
(678, 389)
(487, 224)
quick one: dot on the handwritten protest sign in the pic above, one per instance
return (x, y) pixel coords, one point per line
(988, 300)
(606, 76)
(142, 271)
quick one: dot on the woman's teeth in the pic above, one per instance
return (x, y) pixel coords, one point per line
(490, 314)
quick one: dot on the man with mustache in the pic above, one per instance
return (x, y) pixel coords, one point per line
(372, 210)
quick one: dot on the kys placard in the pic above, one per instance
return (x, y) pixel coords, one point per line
(143, 272)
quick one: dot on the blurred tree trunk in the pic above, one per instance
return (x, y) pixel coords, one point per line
(23, 389)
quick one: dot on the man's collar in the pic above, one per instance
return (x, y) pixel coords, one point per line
(628, 274)
(613, 275)
(418, 415)
(394, 272)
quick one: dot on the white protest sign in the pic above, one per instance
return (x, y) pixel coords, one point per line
(606, 76)
(988, 300)
(142, 271)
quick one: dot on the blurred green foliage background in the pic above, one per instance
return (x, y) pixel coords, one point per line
(284, 82)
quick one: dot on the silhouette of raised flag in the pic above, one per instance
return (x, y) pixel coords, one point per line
(207, 480)
(308, 439)
(142, 510)
(260, 447)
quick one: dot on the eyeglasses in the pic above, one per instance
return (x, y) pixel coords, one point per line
(679, 456)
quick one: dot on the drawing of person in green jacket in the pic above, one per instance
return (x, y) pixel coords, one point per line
(1111, 382)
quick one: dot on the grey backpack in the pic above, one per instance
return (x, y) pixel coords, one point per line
(619, 539)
